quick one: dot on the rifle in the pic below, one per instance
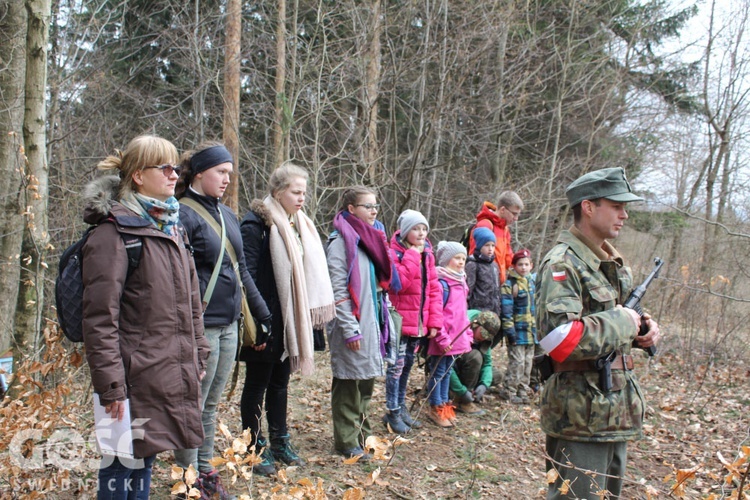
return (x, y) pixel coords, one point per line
(634, 300)
(603, 364)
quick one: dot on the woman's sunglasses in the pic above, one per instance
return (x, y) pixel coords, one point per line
(167, 169)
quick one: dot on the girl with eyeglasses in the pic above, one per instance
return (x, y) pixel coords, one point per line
(204, 180)
(142, 330)
(361, 271)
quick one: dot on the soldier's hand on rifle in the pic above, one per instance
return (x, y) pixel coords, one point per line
(633, 315)
(653, 335)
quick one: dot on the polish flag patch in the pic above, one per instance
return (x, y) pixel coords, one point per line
(559, 276)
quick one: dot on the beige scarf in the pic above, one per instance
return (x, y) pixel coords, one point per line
(293, 269)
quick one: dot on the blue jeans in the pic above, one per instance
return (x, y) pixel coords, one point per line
(440, 379)
(119, 481)
(397, 375)
(223, 343)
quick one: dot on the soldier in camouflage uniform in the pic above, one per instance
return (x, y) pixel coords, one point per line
(581, 283)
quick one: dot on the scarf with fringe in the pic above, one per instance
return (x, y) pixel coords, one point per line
(299, 261)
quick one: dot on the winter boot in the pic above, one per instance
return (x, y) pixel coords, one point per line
(209, 484)
(504, 394)
(406, 417)
(393, 421)
(470, 408)
(437, 415)
(266, 467)
(283, 450)
(449, 412)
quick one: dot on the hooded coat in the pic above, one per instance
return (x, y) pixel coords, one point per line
(487, 217)
(420, 300)
(144, 332)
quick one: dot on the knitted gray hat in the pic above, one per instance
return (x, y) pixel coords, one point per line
(410, 218)
(446, 250)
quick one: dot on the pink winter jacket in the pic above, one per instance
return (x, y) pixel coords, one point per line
(409, 300)
(455, 318)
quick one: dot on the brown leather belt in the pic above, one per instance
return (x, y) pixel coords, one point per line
(621, 362)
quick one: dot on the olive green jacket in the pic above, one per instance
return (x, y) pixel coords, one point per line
(577, 281)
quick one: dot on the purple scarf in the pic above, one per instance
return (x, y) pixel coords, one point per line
(357, 233)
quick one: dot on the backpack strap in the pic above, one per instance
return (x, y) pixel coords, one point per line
(133, 246)
(446, 290)
(221, 231)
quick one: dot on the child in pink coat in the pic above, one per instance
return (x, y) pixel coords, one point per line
(455, 337)
(419, 303)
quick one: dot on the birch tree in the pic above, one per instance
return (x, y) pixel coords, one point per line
(35, 193)
(12, 161)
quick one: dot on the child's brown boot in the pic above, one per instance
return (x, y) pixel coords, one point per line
(438, 416)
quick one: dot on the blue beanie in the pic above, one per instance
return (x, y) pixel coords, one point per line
(482, 236)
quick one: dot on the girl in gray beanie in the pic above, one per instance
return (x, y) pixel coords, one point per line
(419, 304)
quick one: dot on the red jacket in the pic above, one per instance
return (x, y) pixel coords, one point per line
(503, 252)
(413, 301)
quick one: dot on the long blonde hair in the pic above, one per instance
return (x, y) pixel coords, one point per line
(142, 151)
(283, 176)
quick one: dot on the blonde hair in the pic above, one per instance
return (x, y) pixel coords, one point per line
(283, 176)
(143, 151)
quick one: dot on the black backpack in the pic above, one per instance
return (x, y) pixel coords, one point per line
(69, 282)
(466, 238)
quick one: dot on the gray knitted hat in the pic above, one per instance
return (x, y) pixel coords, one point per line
(410, 218)
(446, 250)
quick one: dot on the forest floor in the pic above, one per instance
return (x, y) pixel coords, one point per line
(697, 417)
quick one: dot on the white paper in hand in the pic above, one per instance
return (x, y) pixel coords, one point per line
(114, 437)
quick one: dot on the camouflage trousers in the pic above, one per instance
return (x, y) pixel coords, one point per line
(588, 467)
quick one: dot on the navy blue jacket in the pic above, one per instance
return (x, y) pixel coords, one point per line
(225, 305)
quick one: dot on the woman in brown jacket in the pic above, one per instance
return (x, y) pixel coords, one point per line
(143, 331)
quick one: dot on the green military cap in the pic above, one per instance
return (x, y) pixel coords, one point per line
(609, 183)
(486, 323)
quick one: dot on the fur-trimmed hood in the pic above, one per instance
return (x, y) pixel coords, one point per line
(262, 211)
(99, 197)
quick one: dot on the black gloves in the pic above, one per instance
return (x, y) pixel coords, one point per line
(264, 332)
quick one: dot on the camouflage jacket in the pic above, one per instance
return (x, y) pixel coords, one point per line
(578, 282)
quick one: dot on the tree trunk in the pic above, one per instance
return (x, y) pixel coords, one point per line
(36, 233)
(281, 100)
(232, 56)
(12, 76)
(372, 96)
